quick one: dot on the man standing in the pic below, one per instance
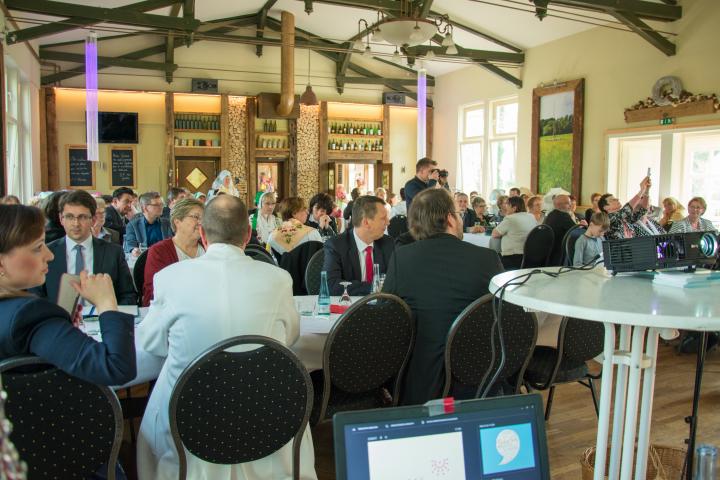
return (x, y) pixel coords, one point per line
(426, 176)
(438, 276)
(79, 250)
(149, 228)
(229, 295)
(351, 255)
(561, 220)
(174, 195)
(121, 206)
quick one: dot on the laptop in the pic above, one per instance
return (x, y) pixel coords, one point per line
(493, 438)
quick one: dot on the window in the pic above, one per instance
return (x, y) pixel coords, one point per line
(487, 146)
(18, 124)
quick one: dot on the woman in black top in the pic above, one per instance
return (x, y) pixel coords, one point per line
(321, 206)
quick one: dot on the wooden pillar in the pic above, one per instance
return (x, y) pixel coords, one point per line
(251, 144)
(50, 149)
(292, 161)
(170, 140)
(3, 138)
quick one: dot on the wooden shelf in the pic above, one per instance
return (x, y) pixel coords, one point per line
(355, 135)
(353, 154)
(198, 151)
(274, 134)
(193, 130)
(271, 151)
(703, 107)
(352, 120)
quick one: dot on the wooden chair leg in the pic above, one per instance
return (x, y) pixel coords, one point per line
(548, 406)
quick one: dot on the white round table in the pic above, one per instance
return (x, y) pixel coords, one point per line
(642, 311)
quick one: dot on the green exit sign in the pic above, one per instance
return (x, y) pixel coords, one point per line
(667, 121)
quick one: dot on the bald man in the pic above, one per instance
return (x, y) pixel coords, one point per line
(560, 220)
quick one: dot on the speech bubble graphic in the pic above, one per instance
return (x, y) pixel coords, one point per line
(507, 444)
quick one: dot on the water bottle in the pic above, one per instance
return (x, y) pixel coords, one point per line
(376, 286)
(705, 467)
(324, 296)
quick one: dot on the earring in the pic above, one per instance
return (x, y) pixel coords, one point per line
(2, 274)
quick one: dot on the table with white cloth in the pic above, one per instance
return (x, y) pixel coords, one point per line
(482, 240)
(641, 311)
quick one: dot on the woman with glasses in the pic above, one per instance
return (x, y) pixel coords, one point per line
(185, 219)
(622, 217)
(264, 220)
(694, 221)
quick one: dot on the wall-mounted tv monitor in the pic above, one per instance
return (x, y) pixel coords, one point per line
(118, 127)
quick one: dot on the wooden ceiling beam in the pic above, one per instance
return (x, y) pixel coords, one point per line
(646, 31)
(170, 41)
(107, 61)
(467, 53)
(663, 12)
(483, 35)
(262, 16)
(383, 80)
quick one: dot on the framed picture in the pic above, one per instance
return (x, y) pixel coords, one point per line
(80, 171)
(557, 137)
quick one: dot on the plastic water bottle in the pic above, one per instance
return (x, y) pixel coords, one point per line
(705, 467)
(376, 286)
(324, 296)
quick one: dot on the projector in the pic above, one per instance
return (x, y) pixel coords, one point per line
(656, 252)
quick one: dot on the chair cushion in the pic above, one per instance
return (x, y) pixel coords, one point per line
(341, 401)
(542, 363)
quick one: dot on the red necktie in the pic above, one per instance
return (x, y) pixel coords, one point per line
(368, 265)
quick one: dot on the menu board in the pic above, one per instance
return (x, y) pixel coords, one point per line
(122, 166)
(81, 172)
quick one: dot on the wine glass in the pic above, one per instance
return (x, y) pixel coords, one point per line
(345, 299)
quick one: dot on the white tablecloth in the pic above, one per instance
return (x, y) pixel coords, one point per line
(482, 240)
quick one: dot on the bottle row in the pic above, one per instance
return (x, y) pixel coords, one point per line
(196, 142)
(273, 143)
(269, 126)
(358, 146)
(374, 129)
(193, 121)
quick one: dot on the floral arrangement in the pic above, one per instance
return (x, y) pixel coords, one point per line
(684, 97)
(288, 230)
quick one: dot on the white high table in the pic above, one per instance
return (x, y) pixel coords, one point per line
(641, 311)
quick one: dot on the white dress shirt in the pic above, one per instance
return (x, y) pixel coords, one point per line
(70, 254)
(361, 246)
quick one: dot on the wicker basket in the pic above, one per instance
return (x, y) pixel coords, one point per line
(664, 463)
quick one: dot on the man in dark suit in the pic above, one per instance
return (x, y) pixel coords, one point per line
(426, 176)
(148, 228)
(350, 256)
(437, 276)
(561, 219)
(78, 250)
(115, 217)
(467, 215)
(174, 195)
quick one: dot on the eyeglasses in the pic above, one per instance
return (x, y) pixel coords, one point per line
(197, 218)
(155, 205)
(82, 218)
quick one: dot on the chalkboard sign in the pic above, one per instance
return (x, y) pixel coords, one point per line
(122, 166)
(80, 172)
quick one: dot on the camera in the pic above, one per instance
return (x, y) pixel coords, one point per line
(443, 173)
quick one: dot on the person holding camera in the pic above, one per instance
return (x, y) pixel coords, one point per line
(426, 176)
(443, 179)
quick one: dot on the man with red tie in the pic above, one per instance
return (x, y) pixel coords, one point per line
(350, 256)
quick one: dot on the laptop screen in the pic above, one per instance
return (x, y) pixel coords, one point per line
(498, 438)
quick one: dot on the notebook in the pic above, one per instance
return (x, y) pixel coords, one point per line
(494, 438)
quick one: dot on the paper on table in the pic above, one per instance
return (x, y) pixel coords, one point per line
(317, 323)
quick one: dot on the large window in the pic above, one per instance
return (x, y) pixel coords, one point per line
(683, 164)
(18, 121)
(487, 145)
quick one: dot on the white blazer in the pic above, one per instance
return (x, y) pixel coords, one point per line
(198, 303)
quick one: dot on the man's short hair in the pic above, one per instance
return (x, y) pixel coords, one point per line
(365, 207)
(174, 193)
(80, 198)
(602, 219)
(119, 192)
(148, 197)
(429, 211)
(354, 193)
(515, 189)
(518, 203)
(477, 201)
(423, 163)
(225, 220)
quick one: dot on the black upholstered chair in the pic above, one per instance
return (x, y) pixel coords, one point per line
(398, 225)
(232, 407)
(469, 352)
(365, 356)
(312, 272)
(63, 427)
(138, 274)
(578, 342)
(568, 244)
(295, 262)
(538, 247)
(256, 252)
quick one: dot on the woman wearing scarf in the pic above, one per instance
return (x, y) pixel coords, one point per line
(223, 184)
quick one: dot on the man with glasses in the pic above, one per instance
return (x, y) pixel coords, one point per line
(147, 229)
(79, 250)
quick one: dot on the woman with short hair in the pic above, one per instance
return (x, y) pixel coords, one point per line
(513, 231)
(294, 230)
(694, 221)
(319, 215)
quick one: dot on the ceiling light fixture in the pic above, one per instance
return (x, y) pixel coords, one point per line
(396, 55)
(308, 97)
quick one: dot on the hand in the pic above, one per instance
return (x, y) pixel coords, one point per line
(478, 229)
(98, 290)
(645, 185)
(435, 174)
(324, 221)
(77, 316)
(135, 252)
(583, 223)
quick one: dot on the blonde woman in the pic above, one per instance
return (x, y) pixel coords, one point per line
(673, 211)
(694, 221)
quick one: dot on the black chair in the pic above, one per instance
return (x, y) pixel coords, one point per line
(538, 247)
(469, 355)
(256, 252)
(364, 357)
(295, 262)
(138, 274)
(312, 272)
(398, 225)
(63, 427)
(232, 407)
(578, 342)
(568, 244)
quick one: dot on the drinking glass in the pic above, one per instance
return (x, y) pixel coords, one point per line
(345, 299)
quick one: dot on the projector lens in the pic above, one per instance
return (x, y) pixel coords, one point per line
(709, 245)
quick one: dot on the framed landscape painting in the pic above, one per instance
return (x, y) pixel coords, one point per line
(557, 137)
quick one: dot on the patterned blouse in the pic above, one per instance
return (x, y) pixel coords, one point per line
(684, 226)
(650, 228)
(622, 220)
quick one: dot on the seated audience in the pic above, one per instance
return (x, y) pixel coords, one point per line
(588, 247)
(10, 200)
(115, 217)
(200, 196)
(147, 229)
(188, 317)
(36, 326)
(350, 256)
(400, 208)
(473, 194)
(51, 209)
(264, 221)
(293, 231)
(79, 251)
(321, 205)
(426, 176)
(482, 217)
(534, 206)
(174, 195)
(98, 228)
(623, 216)
(573, 210)
(467, 215)
(382, 194)
(673, 211)
(514, 192)
(437, 276)
(185, 219)
(514, 230)
(646, 226)
(501, 207)
(561, 219)
(354, 194)
(594, 200)
(694, 221)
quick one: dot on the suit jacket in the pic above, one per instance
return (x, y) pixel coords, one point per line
(560, 222)
(469, 219)
(35, 326)
(229, 294)
(111, 236)
(107, 258)
(135, 232)
(159, 256)
(114, 220)
(342, 262)
(437, 277)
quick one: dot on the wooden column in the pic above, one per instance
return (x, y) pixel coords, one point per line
(250, 141)
(292, 162)
(50, 149)
(170, 140)
(3, 138)
(224, 132)
(323, 184)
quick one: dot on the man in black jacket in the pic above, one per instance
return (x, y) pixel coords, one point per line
(467, 215)
(121, 205)
(426, 176)
(437, 276)
(561, 219)
(350, 256)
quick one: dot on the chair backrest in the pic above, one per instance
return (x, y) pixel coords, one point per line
(569, 243)
(237, 406)
(469, 352)
(139, 274)
(63, 427)
(295, 262)
(312, 272)
(256, 252)
(538, 247)
(368, 346)
(581, 340)
(398, 225)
